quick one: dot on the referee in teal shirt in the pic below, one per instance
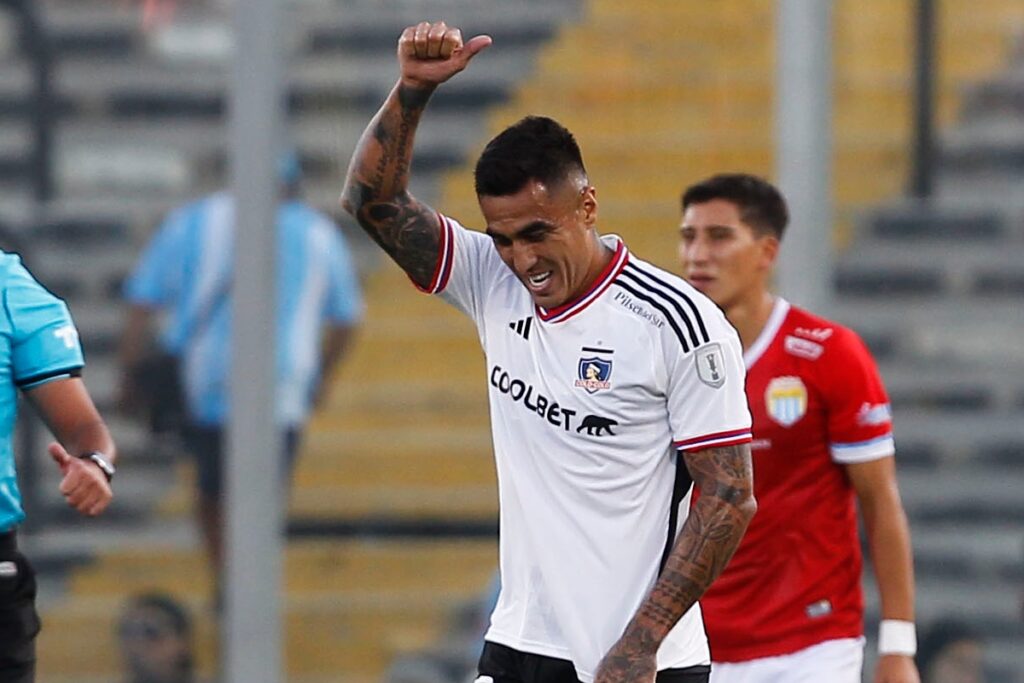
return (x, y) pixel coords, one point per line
(40, 354)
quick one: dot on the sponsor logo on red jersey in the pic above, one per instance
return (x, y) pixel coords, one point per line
(803, 348)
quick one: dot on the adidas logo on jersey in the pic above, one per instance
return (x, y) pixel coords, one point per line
(816, 333)
(522, 327)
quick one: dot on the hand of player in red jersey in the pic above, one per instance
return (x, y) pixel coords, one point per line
(430, 54)
(896, 669)
(84, 486)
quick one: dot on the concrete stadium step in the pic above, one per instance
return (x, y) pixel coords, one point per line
(365, 25)
(351, 571)
(320, 636)
(1003, 95)
(445, 409)
(988, 268)
(424, 456)
(444, 502)
(935, 387)
(407, 402)
(379, 501)
(950, 495)
(991, 610)
(993, 606)
(937, 221)
(982, 550)
(351, 606)
(987, 439)
(933, 330)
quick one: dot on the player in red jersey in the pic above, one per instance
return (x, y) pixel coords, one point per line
(789, 605)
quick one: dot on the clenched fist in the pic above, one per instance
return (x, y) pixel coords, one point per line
(430, 54)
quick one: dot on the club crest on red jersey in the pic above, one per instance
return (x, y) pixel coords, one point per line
(785, 400)
(593, 374)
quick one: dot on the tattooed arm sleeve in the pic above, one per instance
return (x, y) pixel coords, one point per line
(376, 189)
(706, 542)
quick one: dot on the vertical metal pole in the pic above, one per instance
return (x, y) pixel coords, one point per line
(254, 497)
(803, 132)
(923, 153)
(36, 41)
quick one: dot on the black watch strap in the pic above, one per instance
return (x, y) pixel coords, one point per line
(101, 461)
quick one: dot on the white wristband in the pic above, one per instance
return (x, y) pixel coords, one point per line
(897, 637)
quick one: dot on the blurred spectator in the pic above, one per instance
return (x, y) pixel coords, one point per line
(154, 635)
(42, 357)
(186, 272)
(951, 652)
(454, 659)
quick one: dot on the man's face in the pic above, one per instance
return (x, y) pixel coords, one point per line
(722, 256)
(153, 650)
(546, 236)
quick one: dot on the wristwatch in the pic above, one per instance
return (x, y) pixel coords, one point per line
(101, 461)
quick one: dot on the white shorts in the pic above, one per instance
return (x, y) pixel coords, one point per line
(835, 661)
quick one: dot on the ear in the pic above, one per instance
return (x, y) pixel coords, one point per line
(769, 251)
(588, 204)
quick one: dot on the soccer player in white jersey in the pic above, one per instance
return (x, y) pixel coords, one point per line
(614, 387)
(789, 606)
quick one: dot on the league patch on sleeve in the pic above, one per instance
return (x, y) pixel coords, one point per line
(710, 364)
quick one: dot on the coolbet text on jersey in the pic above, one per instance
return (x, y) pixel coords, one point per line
(590, 403)
(818, 403)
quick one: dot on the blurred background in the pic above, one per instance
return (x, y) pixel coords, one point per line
(114, 111)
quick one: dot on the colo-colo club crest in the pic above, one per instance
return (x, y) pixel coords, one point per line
(593, 374)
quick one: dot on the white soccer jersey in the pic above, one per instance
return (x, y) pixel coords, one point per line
(589, 404)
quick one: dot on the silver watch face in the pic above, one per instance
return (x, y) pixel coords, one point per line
(102, 463)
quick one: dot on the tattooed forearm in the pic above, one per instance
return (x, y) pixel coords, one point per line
(708, 538)
(376, 189)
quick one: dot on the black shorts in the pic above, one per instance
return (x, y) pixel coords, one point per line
(206, 444)
(19, 622)
(506, 665)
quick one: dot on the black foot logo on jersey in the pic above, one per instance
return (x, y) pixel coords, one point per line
(597, 425)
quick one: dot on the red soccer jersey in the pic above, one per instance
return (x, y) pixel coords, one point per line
(817, 403)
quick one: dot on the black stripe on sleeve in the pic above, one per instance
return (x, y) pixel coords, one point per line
(635, 270)
(664, 311)
(27, 383)
(682, 486)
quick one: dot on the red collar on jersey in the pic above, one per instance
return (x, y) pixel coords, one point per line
(601, 283)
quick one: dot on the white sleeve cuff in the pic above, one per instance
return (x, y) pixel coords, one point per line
(864, 451)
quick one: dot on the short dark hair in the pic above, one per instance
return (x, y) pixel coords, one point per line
(761, 205)
(534, 148)
(164, 604)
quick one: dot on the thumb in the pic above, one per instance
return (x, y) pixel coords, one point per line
(474, 46)
(59, 455)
